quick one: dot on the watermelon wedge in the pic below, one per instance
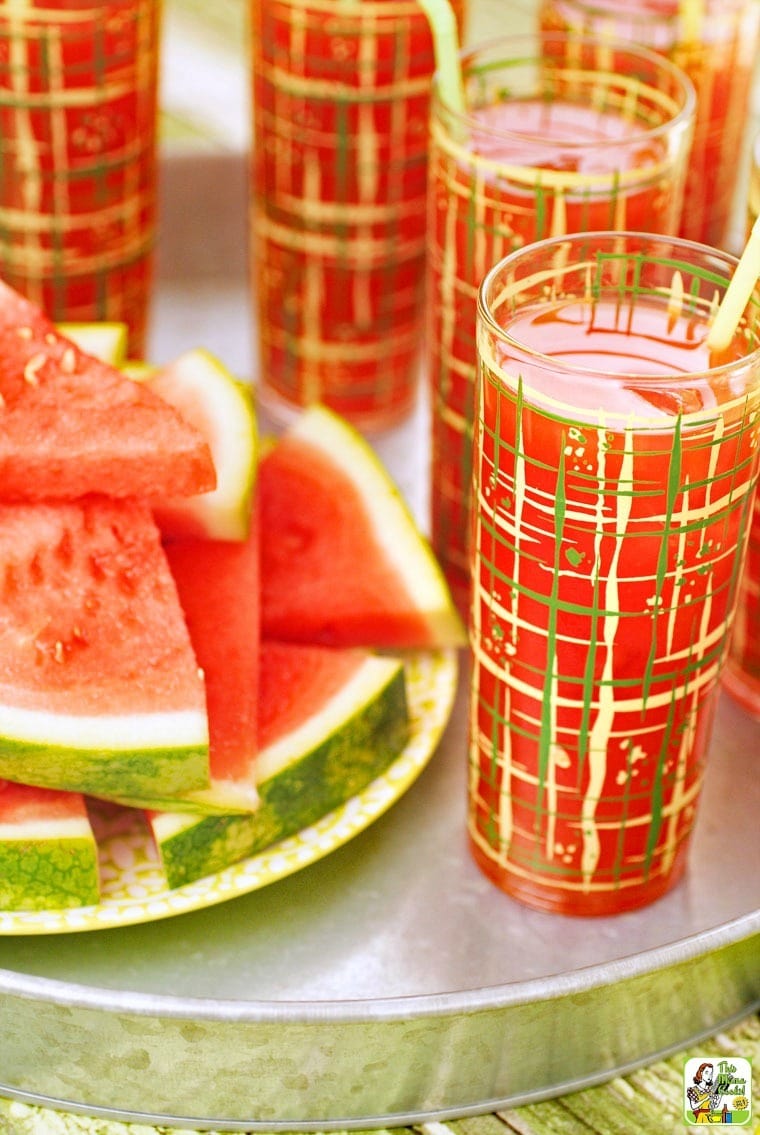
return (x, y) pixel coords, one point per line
(329, 722)
(99, 687)
(48, 853)
(72, 424)
(343, 563)
(218, 586)
(208, 396)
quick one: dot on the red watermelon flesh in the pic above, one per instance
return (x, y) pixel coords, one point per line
(324, 578)
(218, 586)
(23, 803)
(295, 681)
(90, 622)
(71, 424)
(100, 691)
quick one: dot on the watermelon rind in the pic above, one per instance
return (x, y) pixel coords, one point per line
(50, 865)
(142, 757)
(106, 341)
(399, 539)
(301, 777)
(138, 369)
(221, 407)
(219, 798)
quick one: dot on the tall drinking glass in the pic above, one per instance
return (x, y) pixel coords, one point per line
(554, 139)
(341, 95)
(78, 158)
(742, 674)
(615, 470)
(716, 44)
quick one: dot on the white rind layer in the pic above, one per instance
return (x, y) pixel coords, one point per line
(362, 688)
(44, 831)
(128, 732)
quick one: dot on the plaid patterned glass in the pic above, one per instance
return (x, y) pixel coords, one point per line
(716, 43)
(742, 675)
(562, 135)
(341, 97)
(78, 107)
(615, 470)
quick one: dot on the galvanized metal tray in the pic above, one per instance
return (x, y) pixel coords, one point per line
(390, 982)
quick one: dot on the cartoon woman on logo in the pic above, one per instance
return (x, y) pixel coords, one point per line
(704, 1099)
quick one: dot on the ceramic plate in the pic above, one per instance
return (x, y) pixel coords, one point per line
(133, 887)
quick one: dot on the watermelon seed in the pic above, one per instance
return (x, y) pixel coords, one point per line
(68, 361)
(64, 549)
(36, 570)
(32, 368)
(10, 581)
(24, 332)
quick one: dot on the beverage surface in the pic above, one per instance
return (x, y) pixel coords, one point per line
(635, 347)
(562, 134)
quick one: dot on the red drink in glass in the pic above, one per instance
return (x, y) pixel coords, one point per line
(572, 146)
(615, 469)
(715, 42)
(78, 119)
(742, 674)
(341, 98)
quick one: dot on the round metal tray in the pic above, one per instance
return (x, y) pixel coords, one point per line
(390, 983)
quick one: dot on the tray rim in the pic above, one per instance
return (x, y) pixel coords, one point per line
(583, 979)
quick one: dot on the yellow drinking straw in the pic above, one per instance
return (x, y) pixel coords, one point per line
(443, 26)
(744, 279)
(691, 14)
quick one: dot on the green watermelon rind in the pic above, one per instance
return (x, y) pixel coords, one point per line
(50, 866)
(138, 756)
(305, 783)
(218, 799)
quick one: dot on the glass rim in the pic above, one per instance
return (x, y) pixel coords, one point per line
(513, 52)
(660, 17)
(486, 319)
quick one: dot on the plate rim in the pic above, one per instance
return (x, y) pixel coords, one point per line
(439, 680)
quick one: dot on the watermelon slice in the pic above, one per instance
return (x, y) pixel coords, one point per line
(343, 563)
(73, 425)
(48, 853)
(208, 396)
(218, 586)
(329, 722)
(99, 688)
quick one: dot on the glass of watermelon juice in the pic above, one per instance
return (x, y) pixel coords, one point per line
(78, 113)
(553, 140)
(742, 673)
(615, 466)
(716, 43)
(341, 97)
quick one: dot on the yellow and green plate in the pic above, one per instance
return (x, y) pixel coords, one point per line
(133, 887)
